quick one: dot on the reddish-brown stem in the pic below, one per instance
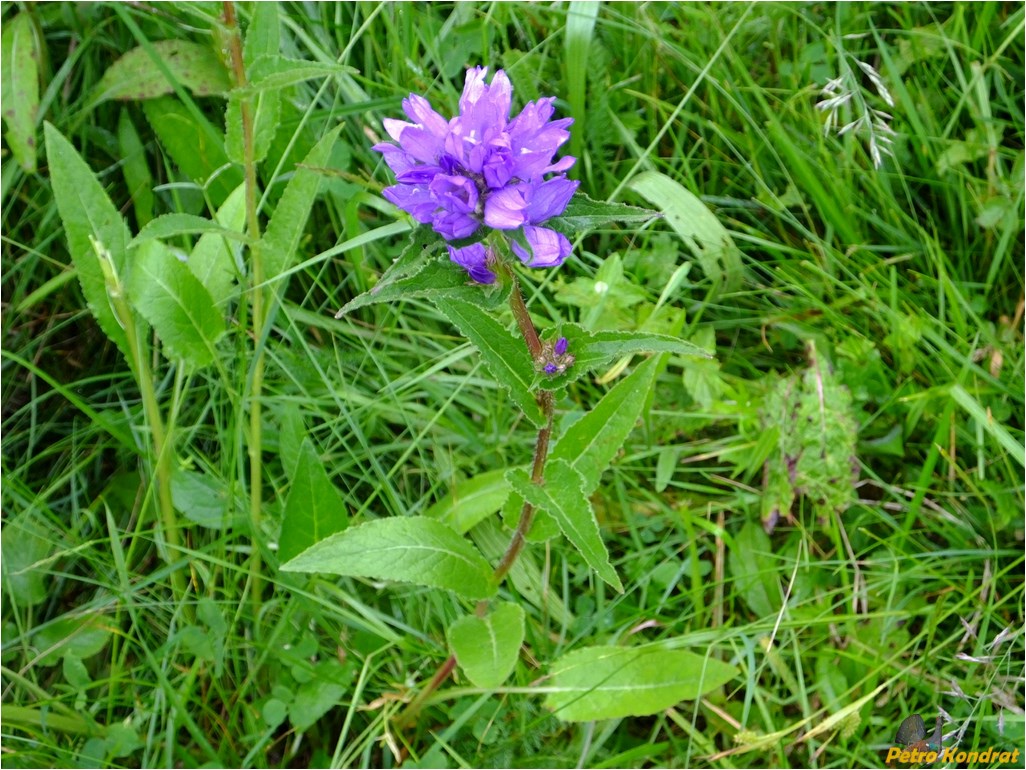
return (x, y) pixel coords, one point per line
(541, 453)
(516, 544)
(414, 706)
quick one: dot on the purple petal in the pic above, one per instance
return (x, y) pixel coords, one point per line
(473, 259)
(561, 345)
(396, 159)
(416, 200)
(418, 109)
(548, 248)
(561, 165)
(504, 209)
(455, 193)
(395, 127)
(485, 105)
(453, 225)
(422, 144)
(549, 199)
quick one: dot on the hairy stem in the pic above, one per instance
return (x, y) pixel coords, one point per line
(519, 539)
(258, 298)
(541, 453)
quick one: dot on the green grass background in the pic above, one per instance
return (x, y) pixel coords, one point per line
(908, 280)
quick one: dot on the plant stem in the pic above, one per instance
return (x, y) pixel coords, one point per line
(258, 299)
(162, 466)
(523, 318)
(541, 453)
(414, 706)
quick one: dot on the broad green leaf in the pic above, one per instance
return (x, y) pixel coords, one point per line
(137, 76)
(169, 226)
(583, 214)
(216, 261)
(471, 501)
(284, 230)
(22, 548)
(19, 59)
(197, 149)
(562, 497)
(164, 292)
(593, 350)
(87, 212)
(276, 72)
(755, 570)
(314, 508)
(696, 225)
(591, 443)
(135, 168)
(80, 635)
(263, 35)
(614, 682)
(487, 648)
(204, 500)
(408, 549)
(505, 356)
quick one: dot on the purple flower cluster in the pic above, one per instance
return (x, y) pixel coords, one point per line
(555, 359)
(481, 168)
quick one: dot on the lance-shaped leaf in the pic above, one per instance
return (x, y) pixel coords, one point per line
(505, 356)
(314, 508)
(583, 214)
(164, 291)
(136, 75)
(562, 497)
(590, 444)
(614, 682)
(196, 146)
(422, 271)
(87, 213)
(281, 240)
(135, 168)
(408, 549)
(487, 648)
(19, 71)
(593, 350)
(697, 226)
